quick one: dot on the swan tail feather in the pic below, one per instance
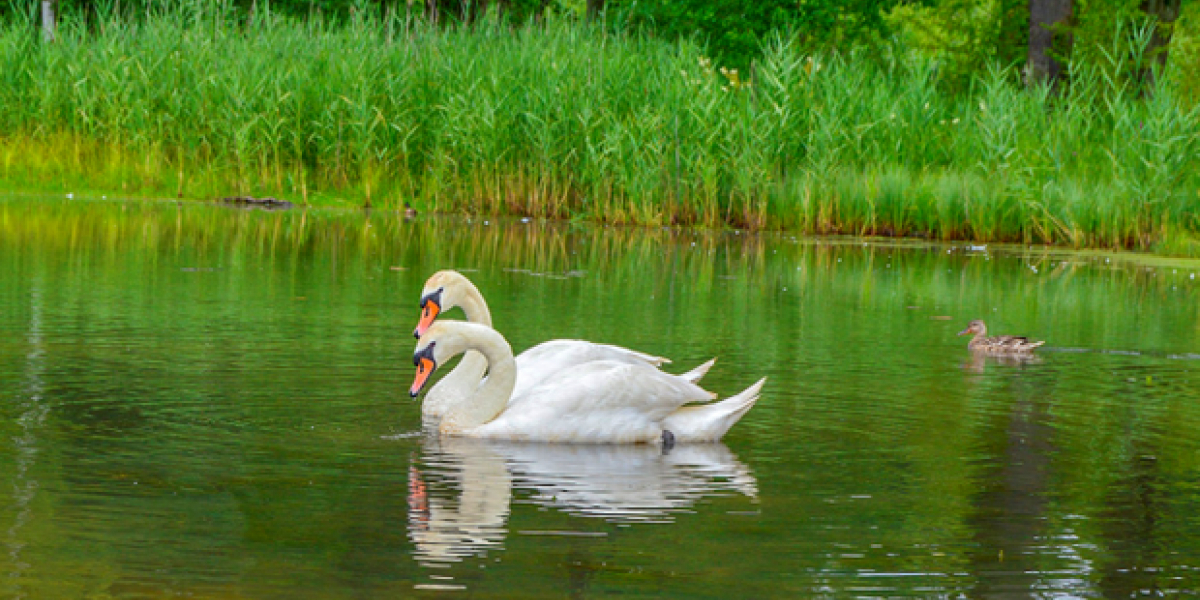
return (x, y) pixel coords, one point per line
(709, 422)
(695, 375)
(657, 361)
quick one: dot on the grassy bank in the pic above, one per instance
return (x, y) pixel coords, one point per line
(566, 121)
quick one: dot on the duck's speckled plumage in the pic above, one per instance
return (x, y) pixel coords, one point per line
(1000, 344)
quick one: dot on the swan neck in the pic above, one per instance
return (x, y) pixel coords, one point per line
(474, 306)
(460, 382)
(492, 397)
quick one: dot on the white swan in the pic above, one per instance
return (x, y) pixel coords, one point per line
(446, 289)
(600, 401)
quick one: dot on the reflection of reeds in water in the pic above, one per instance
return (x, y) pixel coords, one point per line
(538, 249)
(643, 284)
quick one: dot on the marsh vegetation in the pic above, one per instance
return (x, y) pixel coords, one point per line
(572, 120)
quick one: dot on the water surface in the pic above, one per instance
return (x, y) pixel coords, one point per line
(206, 402)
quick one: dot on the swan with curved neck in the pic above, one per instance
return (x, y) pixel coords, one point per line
(446, 289)
(599, 401)
(442, 289)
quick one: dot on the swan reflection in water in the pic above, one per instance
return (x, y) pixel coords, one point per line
(635, 483)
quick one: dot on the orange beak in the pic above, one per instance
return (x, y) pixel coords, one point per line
(425, 367)
(429, 312)
(965, 331)
(431, 307)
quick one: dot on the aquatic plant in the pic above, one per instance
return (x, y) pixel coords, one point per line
(568, 121)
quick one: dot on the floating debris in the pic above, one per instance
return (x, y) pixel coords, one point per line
(268, 202)
(445, 587)
(566, 533)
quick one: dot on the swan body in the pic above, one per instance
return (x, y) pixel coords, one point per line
(1001, 344)
(446, 289)
(598, 401)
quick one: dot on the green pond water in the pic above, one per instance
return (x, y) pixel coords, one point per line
(205, 402)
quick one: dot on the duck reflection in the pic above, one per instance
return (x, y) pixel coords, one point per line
(459, 501)
(979, 361)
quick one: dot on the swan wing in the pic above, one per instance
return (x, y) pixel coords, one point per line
(600, 351)
(598, 402)
(546, 360)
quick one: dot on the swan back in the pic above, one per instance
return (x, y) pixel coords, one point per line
(604, 401)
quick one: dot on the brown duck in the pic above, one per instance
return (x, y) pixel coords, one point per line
(1000, 344)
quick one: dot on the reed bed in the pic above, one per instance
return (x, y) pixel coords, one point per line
(563, 120)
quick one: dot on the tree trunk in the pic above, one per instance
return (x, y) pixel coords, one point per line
(431, 11)
(49, 20)
(250, 14)
(1047, 19)
(594, 8)
(1165, 12)
(476, 11)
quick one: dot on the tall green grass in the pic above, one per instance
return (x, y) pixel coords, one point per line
(564, 120)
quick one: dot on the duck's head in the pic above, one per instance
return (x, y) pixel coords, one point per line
(976, 327)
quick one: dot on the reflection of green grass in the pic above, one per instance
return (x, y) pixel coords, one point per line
(563, 121)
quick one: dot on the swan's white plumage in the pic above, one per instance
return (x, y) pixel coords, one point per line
(455, 386)
(545, 360)
(595, 402)
(598, 401)
(695, 375)
(534, 365)
(709, 422)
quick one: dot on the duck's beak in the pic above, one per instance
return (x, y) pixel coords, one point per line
(965, 331)
(431, 307)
